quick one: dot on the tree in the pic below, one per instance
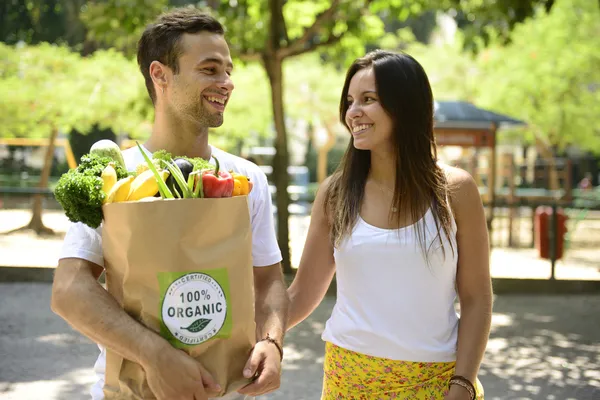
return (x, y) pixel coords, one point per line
(451, 70)
(52, 89)
(249, 119)
(548, 75)
(120, 23)
(274, 31)
(482, 20)
(36, 21)
(340, 28)
(312, 96)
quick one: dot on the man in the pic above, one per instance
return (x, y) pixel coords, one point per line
(186, 65)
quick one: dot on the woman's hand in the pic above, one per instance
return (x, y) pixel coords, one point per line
(457, 392)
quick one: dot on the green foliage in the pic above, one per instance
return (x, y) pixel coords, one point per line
(249, 114)
(452, 72)
(49, 86)
(548, 75)
(36, 21)
(119, 23)
(483, 21)
(312, 89)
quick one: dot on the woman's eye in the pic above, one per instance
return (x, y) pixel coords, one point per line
(369, 100)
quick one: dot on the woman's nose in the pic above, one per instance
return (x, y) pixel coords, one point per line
(354, 111)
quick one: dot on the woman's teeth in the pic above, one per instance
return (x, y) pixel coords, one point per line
(359, 128)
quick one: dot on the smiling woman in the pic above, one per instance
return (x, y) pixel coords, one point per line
(405, 235)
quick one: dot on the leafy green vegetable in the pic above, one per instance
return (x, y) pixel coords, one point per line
(198, 163)
(162, 155)
(79, 191)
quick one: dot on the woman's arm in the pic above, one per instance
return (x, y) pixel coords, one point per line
(317, 265)
(473, 276)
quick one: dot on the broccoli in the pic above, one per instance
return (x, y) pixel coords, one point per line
(79, 191)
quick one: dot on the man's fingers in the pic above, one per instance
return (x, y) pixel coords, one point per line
(266, 382)
(209, 382)
(252, 364)
(200, 394)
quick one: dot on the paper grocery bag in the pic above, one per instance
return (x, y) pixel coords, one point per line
(182, 268)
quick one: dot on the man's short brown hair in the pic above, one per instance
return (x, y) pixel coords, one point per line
(161, 40)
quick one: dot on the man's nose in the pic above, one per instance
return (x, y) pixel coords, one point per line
(226, 83)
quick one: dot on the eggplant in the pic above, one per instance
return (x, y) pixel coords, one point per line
(186, 168)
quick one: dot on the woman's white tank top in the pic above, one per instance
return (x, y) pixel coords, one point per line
(391, 302)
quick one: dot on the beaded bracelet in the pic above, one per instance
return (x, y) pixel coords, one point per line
(464, 383)
(271, 340)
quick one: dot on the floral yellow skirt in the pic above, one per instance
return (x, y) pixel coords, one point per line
(355, 376)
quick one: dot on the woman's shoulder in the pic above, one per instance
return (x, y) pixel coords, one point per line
(462, 188)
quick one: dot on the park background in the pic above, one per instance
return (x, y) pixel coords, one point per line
(517, 89)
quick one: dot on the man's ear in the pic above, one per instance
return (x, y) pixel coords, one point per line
(159, 74)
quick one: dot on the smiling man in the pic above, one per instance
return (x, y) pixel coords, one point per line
(186, 64)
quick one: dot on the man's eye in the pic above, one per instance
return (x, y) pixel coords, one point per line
(211, 70)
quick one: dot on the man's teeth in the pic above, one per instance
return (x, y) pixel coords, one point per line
(216, 100)
(360, 127)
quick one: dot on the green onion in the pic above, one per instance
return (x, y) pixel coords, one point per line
(199, 190)
(191, 183)
(165, 193)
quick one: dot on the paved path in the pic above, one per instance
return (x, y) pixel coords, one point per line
(28, 250)
(544, 347)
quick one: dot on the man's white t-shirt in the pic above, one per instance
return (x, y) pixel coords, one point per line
(81, 241)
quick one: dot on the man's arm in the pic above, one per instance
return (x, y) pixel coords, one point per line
(271, 305)
(79, 299)
(271, 302)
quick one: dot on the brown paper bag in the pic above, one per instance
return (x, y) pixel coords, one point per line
(182, 268)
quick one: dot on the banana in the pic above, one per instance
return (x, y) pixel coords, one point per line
(109, 178)
(119, 191)
(145, 185)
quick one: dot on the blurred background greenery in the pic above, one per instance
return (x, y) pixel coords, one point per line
(68, 78)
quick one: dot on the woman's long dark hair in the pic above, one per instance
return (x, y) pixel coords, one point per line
(405, 94)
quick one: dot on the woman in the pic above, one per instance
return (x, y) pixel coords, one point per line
(406, 235)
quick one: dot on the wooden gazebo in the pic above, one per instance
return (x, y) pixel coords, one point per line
(458, 123)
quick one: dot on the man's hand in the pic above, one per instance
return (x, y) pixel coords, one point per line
(265, 364)
(174, 375)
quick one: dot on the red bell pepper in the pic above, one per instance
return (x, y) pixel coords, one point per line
(217, 183)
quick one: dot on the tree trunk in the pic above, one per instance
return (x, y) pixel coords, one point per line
(273, 66)
(324, 152)
(36, 224)
(545, 151)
